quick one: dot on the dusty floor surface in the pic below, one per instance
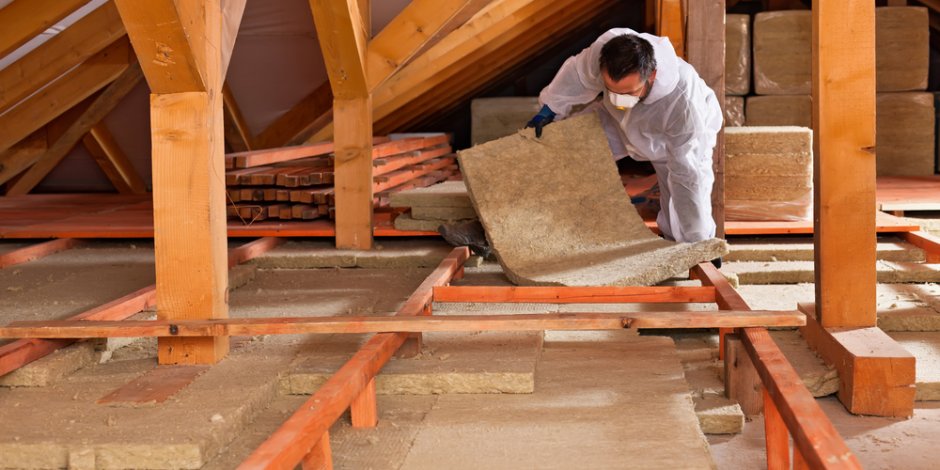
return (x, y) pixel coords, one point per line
(229, 410)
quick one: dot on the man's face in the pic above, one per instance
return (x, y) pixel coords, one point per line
(632, 84)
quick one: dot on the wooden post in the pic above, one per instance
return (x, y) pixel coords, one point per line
(844, 167)
(320, 457)
(776, 436)
(179, 47)
(742, 383)
(363, 411)
(706, 52)
(343, 41)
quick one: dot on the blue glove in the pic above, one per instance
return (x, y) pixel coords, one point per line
(542, 119)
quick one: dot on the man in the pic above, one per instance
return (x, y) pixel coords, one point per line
(655, 108)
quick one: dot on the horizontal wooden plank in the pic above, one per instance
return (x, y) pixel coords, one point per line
(572, 295)
(395, 147)
(37, 251)
(255, 158)
(926, 241)
(329, 325)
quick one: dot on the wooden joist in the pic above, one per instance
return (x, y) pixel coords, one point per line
(346, 324)
(65, 50)
(20, 156)
(39, 250)
(579, 295)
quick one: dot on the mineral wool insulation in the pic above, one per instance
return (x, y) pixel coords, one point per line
(556, 213)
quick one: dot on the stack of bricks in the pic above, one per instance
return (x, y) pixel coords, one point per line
(905, 112)
(433, 206)
(296, 183)
(768, 173)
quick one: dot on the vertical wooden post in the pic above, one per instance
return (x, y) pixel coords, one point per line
(343, 39)
(844, 167)
(179, 46)
(742, 383)
(353, 172)
(363, 411)
(776, 436)
(320, 457)
(706, 52)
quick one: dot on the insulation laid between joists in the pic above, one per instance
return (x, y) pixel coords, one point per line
(556, 213)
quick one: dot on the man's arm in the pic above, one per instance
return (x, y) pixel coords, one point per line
(578, 81)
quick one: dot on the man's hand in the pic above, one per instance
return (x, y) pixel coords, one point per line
(542, 119)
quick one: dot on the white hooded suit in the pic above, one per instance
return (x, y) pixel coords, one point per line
(674, 127)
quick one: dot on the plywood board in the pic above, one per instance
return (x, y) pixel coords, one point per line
(555, 211)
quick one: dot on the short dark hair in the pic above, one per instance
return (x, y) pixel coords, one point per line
(627, 54)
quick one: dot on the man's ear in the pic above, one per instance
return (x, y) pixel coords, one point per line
(653, 76)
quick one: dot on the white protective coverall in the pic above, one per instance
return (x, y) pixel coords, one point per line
(675, 128)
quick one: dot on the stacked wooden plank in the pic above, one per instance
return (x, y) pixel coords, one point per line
(296, 183)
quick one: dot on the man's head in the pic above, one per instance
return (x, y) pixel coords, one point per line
(628, 66)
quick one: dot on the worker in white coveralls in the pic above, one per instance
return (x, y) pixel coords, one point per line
(656, 108)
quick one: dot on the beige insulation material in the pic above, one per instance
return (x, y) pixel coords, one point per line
(902, 48)
(768, 173)
(779, 110)
(782, 52)
(442, 213)
(737, 55)
(719, 415)
(50, 369)
(492, 118)
(734, 111)
(925, 346)
(767, 249)
(555, 211)
(446, 194)
(905, 134)
(819, 378)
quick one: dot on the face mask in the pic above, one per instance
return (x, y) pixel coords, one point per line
(623, 102)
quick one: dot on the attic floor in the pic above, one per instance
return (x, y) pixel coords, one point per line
(577, 380)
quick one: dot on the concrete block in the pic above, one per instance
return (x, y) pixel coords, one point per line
(446, 194)
(492, 118)
(737, 56)
(50, 369)
(905, 134)
(902, 48)
(734, 111)
(783, 52)
(548, 228)
(779, 110)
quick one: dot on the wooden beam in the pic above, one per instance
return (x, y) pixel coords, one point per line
(21, 352)
(579, 295)
(312, 113)
(252, 250)
(343, 42)
(671, 23)
(417, 324)
(22, 20)
(876, 374)
(320, 457)
(775, 435)
(58, 55)
(416, 28)
(706, 52)
(237, 133)
(231, 22)
(113, 161)
(353, 173)
(363, 412)
(102, 105)
(844, 164)
(37, 251)
(62, 94)
(170, 46)
(256, 158)
(19, 157)
(306, 428)
(742, 383)
(926, 241)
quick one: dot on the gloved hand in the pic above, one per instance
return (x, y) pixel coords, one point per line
(542, 119)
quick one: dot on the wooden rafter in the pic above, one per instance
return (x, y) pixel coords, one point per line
(97, 110)
(64, 93)
(113, 161)
(19, 157)
(420, 25)
(74, 45)
(169, 48)
(343, 42)
(24, 19)
(237, 133)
